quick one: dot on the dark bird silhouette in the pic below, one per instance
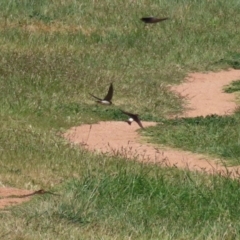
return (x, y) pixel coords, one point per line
(153, 19)
(107, 99)
(133, 117)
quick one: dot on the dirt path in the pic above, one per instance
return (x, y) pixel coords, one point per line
(204, 92)
(118, 138)
(205, 96)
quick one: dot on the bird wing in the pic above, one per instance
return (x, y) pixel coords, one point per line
(95, 97)
(159, 19)
(134, 117)
(109, 95)
(139, 122)
(129, 114)
(153, 19)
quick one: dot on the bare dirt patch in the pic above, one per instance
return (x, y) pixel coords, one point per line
(118, 138)
(205, 95)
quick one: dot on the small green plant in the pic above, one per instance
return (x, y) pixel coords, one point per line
(233, 87)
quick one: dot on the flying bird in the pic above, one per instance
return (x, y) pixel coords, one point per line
(107, 99)
(133, 117)
(153, 19)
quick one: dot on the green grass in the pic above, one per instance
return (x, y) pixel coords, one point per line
(218, 136)
(232, 59)
(53, 53)
(233, 87)
(129, 200)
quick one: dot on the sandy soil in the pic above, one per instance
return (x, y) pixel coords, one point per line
(204, 92)
(205, 96)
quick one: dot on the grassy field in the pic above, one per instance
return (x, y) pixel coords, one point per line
(218, 136)
(53, 53)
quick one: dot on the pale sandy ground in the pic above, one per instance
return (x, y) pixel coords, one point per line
(204, 92)
(205, 96)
